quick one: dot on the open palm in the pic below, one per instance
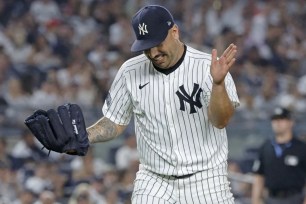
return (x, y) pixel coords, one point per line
(220, 67)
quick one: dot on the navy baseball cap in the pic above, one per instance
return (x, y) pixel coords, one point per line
(151, 25)
(281, 113)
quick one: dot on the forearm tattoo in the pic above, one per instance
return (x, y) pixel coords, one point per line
(103, 130)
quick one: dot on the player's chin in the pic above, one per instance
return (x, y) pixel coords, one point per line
(160, 65)
(163, 64)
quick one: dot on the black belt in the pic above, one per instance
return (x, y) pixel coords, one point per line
(182, 176)
(284, 193)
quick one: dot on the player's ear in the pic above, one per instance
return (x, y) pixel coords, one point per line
(175, 31)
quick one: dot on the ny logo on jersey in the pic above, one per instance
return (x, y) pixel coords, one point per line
(142, 29)
(185, 97)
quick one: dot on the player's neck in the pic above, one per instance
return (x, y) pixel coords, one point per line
(181, 51)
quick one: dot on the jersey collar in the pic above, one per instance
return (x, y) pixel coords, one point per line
(174, 67)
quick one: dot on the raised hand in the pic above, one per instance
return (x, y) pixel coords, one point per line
(220, 67)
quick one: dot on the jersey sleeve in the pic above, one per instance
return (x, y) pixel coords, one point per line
(230, 88)
(117, 106)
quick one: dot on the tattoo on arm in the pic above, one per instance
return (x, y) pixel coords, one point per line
(103, 130)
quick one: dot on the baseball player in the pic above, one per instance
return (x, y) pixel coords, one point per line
(182, 99)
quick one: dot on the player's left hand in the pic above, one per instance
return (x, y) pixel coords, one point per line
(62, 131)
(220, 67)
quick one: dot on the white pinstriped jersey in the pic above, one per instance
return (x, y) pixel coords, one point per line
(174, 135)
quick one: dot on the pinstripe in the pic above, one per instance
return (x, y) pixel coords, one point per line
(175, 121)
(197, 128)
(208, 186)
(155, 84)
(202, 186)
(159, 116)
(118, 105)
(187, 119)
(197, 191)
(141, 199)
(153, 188)
(150, 188)
(188, 191)
(171, 145)
(159, 192)
(216, 182)
(172, 140)
(182, 130)
(172, 193)
(224, 181)
(220, 183)
(197, 134)
(163, 195)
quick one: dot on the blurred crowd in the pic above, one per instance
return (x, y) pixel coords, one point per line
(58, 51)
(32, 175)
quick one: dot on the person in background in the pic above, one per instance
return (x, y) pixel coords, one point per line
(27, 148)
(8, 183)
(46, 197)
(25, 196)
(127, 154)
(280, 170)
(5, 156)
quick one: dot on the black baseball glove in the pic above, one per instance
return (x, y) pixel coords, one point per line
(63, 131)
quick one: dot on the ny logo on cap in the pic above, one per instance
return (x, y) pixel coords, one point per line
(142, 29)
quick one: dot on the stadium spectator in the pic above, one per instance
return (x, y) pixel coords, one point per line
(45, 10)
(126, 155)
(25, 196)
(84, 168)
(81, 195)
(5, 157)
(46, 197)
(40, 180)
(28, 149)
(8, 184)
